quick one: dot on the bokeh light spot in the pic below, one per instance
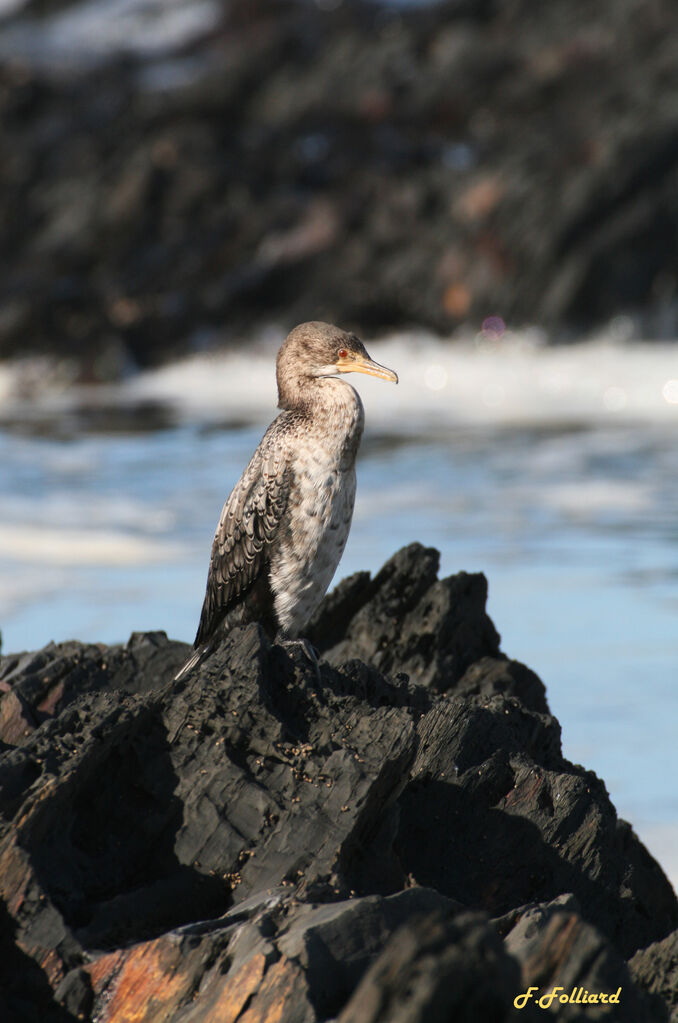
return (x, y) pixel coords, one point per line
(493, 328)
(457, 300)
(436, 377)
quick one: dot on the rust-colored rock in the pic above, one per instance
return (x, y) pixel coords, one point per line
(145, 983)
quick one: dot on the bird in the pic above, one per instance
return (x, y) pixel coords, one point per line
(284, 527)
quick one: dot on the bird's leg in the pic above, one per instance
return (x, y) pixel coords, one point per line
(308, 649)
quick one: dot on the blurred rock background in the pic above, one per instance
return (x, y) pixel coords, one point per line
(173, 173)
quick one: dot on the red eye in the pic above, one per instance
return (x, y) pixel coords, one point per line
(342, 353)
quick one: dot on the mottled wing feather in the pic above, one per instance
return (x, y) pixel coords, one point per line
(247, 527)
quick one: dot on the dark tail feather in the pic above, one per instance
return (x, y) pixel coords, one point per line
(196, 658)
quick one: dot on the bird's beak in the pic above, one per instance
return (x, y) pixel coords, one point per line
(355, 363)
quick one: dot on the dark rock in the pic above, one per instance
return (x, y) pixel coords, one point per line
(436, 969)
(335, 944)
(75, 994)
(495, 676)
(247, 838)
(407, 620)
(238, 787)
(26, 986)
(489, 775)
(556, 948)
(38, 686)
(655, 969)
(271, 952)
(368, 165)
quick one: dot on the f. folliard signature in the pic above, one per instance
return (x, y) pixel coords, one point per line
(577, 996)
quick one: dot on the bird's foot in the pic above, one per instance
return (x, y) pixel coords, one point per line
(310, 652)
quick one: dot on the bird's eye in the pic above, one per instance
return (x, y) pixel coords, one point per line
(342, 353)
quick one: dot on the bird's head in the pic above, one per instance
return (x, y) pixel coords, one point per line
(315, 350)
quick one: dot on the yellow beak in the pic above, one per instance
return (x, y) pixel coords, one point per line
(360, 364)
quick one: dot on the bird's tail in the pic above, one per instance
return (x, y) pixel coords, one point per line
(196, 658)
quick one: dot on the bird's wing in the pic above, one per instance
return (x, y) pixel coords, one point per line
(248, 524)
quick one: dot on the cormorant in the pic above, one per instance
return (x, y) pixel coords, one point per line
(283, 529)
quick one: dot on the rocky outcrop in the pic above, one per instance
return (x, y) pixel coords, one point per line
(655, 969)
(399, 840)
(372, 164)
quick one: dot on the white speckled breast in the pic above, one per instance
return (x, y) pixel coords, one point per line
(320, 506)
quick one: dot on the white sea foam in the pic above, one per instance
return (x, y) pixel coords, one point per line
(7, 382)
(72, 547)
(581, 498)
(26, 586)
(515, 381)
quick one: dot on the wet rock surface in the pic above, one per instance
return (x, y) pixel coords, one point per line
(401, 841)
(363, 163)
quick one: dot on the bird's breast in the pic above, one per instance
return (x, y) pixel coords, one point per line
(317, 521)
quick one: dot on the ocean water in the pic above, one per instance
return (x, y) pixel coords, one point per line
(553, 470)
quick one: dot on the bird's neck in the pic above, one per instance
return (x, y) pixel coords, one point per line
(318, 396)
(331, 411)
